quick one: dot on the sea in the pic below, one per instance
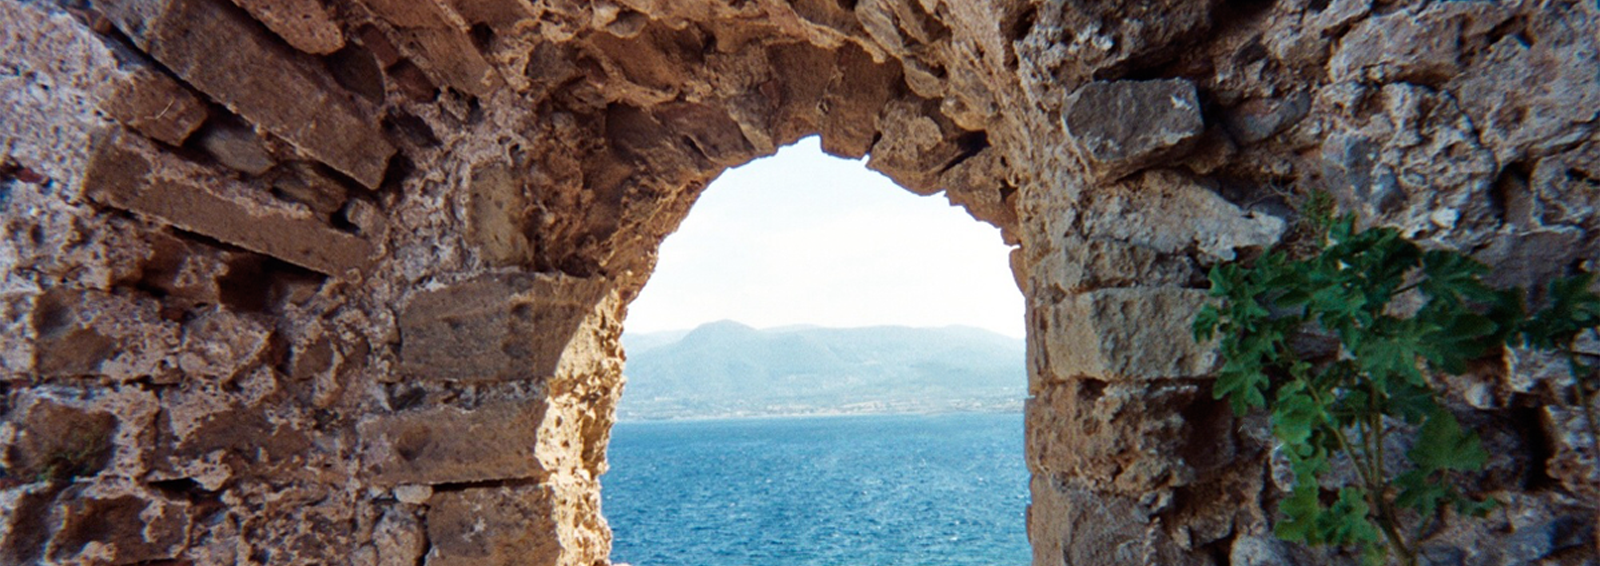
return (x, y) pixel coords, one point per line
(859, 490)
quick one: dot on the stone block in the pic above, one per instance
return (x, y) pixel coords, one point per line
(1085, 264)
(236, 146)
(302, 182)
(713, 133)
(1122, 126)
(1258, 119)
(495, 216)
(856, 95)
(219, 343)
(1128, 438)
(444, 445)
(1137, 333)
(451, 59)
(118, 528)
(399, 539)
(914, 149)
(131, 174)
(978, 184)
(149, 101)
(1398, 47)
(437, 35)
(802, 80)
(494, 12)
(1070, 524)
(80, 333)
(495, 526)
(305, 24)
(494, 327)
(1562, 189)
(1526, 98)
(1530, 260)
(220, 51)
(1170, 212)
(25, 522)
(55, 441)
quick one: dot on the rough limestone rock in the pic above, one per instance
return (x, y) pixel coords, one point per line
(1122, 126)
(343, 281)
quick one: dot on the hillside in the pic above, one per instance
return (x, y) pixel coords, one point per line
(725, 369)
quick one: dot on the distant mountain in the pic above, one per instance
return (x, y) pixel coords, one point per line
(726, 369)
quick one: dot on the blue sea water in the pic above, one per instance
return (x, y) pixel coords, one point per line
(833, 491)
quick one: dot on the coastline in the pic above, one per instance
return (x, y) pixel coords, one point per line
(1009, 407)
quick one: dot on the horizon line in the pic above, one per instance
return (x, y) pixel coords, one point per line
(806, 325)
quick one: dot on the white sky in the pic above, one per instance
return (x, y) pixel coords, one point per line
(807, 238)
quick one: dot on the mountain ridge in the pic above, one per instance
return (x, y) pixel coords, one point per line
(729, 369)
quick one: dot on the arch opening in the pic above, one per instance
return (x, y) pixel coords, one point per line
(835, 374)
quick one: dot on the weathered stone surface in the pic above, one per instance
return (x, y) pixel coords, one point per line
(1123, 126)
(1124, 437)
(301, 182)
(1575, 454)
(224, 54)
(1410, 47)
(1561, 191)
(494, 221)
(1087, 334)
(493, 526)
(305, 24)
(1465, 124)
(25, 522)
(49, 440)
(851, 104)
(118, 529)
(453, 445)
(1261, 118)
(1171, 213)
(914, 149)
(1085, 265)
(437, 34)
(152, 103)
(399, 539)
(1071, 524)
(132, 175)
(494, 327)
(218, 344)
(1383, 159)
(980, 184)
(1524, 96)
(91, 333)
(237, 147)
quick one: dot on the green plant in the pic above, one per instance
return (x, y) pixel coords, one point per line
(1397, 313)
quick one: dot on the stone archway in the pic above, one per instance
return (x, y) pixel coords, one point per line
(346, 278)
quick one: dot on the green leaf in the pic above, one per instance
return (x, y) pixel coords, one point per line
(1205, 323)
(1443, 445)
(1301, 511)
(1347, 290)
(1420, 492)
(1296, 415)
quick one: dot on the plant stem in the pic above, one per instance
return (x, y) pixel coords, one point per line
(1370, 472)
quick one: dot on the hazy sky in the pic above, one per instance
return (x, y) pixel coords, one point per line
(807, 238)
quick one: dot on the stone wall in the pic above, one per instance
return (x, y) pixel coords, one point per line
(304, 281)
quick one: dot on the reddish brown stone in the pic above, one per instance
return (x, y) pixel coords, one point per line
(221, 52)
(152, 103)
(128, 173)
(453, 445)
(305, 24)
(494, 327)
(495, 526)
